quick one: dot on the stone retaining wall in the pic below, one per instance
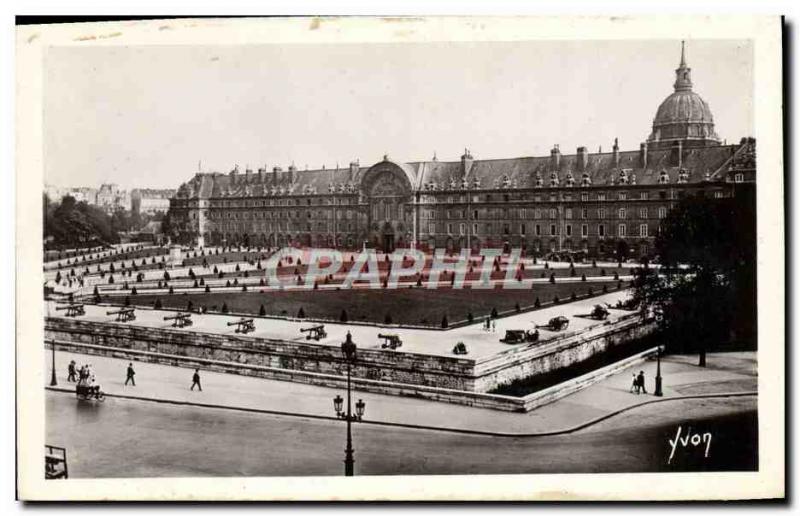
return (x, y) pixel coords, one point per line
(454, 380)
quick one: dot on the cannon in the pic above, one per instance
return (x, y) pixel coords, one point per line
(390, 340)
(315, 332)
(557, 323)
(73, 309)
(243, 325)
(124, 314)
(520, 336)
(599, 312)
(180, 320)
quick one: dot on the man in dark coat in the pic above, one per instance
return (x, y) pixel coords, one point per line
(131, 372)
(196, 380)
(641, 382)
(72, 376)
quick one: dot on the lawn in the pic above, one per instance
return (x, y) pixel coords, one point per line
(417, 306)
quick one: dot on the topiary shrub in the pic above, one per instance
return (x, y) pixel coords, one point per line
(537, 303)
(262, 311)
(224, 308)
(157, 304)
(445, 324)
(343, 316)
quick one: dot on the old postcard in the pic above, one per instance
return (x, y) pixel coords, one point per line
(401, 259)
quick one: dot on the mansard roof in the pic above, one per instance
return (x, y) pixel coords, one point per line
(697, 164)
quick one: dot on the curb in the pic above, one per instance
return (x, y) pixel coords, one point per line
(569, 430)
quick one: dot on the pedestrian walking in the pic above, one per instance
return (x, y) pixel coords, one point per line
(494, 325)
(635, 384)
(72, 372)
(130, 375)
(196, 380)
(641, 382)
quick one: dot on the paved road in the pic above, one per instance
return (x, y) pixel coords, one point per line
(126, 438)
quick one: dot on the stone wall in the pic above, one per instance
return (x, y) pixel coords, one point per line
(372, 364)
(453, 380)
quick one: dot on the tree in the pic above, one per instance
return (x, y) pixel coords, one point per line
(224, 308)
(262, 311)
(703, 295)
(157, 304)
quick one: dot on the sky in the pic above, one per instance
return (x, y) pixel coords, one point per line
(151, 116)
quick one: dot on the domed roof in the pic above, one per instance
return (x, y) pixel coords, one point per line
(683, 116)
(683, 106)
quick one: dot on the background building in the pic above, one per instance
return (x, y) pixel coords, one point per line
(150, 201)
(604, 204)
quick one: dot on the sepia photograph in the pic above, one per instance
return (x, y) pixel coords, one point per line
(332, 248)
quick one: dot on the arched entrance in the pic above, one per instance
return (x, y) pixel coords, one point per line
(387, 188)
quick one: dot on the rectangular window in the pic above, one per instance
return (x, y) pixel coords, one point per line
(643, 230)
(449, 228)
(569, 230)
(553, 214)
(475, 214)
(431, 228)
(584, 197)
(623, 196)
(537, 214)
(662, 212)
(568, 213)
(584, 230)
(537, 229)
(601, 213)
(642, 213)
(522, 229)
(553, 229)
(621, 230)
(475, 229)
(461, 229)
(622, 213)
(584, 213)
(739, 178)
(718, 194)
(601, 230)
(601, 196)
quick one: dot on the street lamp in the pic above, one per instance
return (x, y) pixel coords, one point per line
(349, 355)
(658, 391)
(53, 381)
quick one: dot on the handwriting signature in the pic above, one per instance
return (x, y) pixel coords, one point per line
(694, 439)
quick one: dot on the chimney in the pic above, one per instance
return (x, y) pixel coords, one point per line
(615, 153)
(643, 155)
(583, 159)
(354, 167)
(677, 154)
(292, 170)
(261, 172)
(233, 173)
(555, 158)
(466, 163)
(275, 175)
(248, 175)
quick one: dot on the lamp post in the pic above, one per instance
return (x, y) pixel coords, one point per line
(657, 391)
(349, 354)
(53, 381)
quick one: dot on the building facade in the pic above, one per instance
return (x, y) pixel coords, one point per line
(150, 201)
(604, 204)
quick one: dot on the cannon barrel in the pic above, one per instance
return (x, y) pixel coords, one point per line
(389, 336)
(313, 328)
(120, 311)
(240, 321)
(176, 316)
(67, 307)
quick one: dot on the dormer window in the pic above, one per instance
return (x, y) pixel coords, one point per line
(663, 177)
(586, 180)
(683, 176)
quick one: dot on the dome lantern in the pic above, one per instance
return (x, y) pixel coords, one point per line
(683, 116)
